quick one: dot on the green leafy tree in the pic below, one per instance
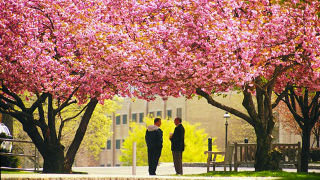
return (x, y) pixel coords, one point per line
(195, 143)
(98, 129)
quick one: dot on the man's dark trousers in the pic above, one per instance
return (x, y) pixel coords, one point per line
(177, 160)
(153, 160)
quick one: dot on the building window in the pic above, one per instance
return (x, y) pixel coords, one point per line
(141, 117)
(109, 144)
(134, 117)
(159, 113)
(179, 112)
(117, 120)
(151, 114)
(118, 143)
(169, 114)
(124, 119)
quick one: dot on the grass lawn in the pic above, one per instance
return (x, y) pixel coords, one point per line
(16, 172)
(282, 174)
(31, 172)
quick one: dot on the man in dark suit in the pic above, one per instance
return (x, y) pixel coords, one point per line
(154, 143)
(177, 145)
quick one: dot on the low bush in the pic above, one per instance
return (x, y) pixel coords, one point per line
(8, 161)
(315, 155)
(274, 157)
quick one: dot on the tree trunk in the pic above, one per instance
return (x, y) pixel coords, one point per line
(54, 159)
(305, 151)
(263, 147)
(71, 153)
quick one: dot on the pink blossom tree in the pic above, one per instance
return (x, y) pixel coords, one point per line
(62, 52)
(205, 47)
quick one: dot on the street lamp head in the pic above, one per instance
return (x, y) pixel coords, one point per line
(226, 115)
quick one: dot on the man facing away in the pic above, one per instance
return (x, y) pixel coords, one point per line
(177, 145)
(154, 143)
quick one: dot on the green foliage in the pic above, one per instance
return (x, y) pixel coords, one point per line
(315, 155)
(195, 143)
(8, 161)
(98, 129)
(274, 157)
(16, 172)
(3, 135)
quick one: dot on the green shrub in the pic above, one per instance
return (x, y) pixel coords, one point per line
(8, 161)
(3, 135)
(315, 155)
(274, 157)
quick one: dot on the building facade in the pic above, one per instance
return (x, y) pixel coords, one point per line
(192, 110)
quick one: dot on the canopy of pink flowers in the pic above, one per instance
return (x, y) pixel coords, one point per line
(156, 47)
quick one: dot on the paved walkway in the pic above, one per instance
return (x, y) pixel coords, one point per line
(164, 172)
(163, 169)
(117, 177)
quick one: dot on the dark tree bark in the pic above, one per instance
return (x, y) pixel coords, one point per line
(305, 150)
(316, 133)
(53, 157)
(260, 117)
(306, 115)
(263, 148)
(46, 139)
(71, 154)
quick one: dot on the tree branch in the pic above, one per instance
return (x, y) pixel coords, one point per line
(44, 126)
(8, 100)
(315, 99)
(66, 120)
(72, 150)
(39, 101)
(292, 109)
(67, 102)
(214, 103)
(19, 102)
(280, 97)
(249, 105)
(51, 120)
(70, 118)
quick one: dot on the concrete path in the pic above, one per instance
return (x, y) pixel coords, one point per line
(117, 177)
(163, 169)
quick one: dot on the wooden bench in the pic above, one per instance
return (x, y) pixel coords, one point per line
(212, 158)
(244, 154)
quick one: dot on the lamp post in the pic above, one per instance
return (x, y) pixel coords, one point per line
(226, 115)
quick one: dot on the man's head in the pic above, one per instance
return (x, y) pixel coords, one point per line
(177, 121)
(157, 122)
